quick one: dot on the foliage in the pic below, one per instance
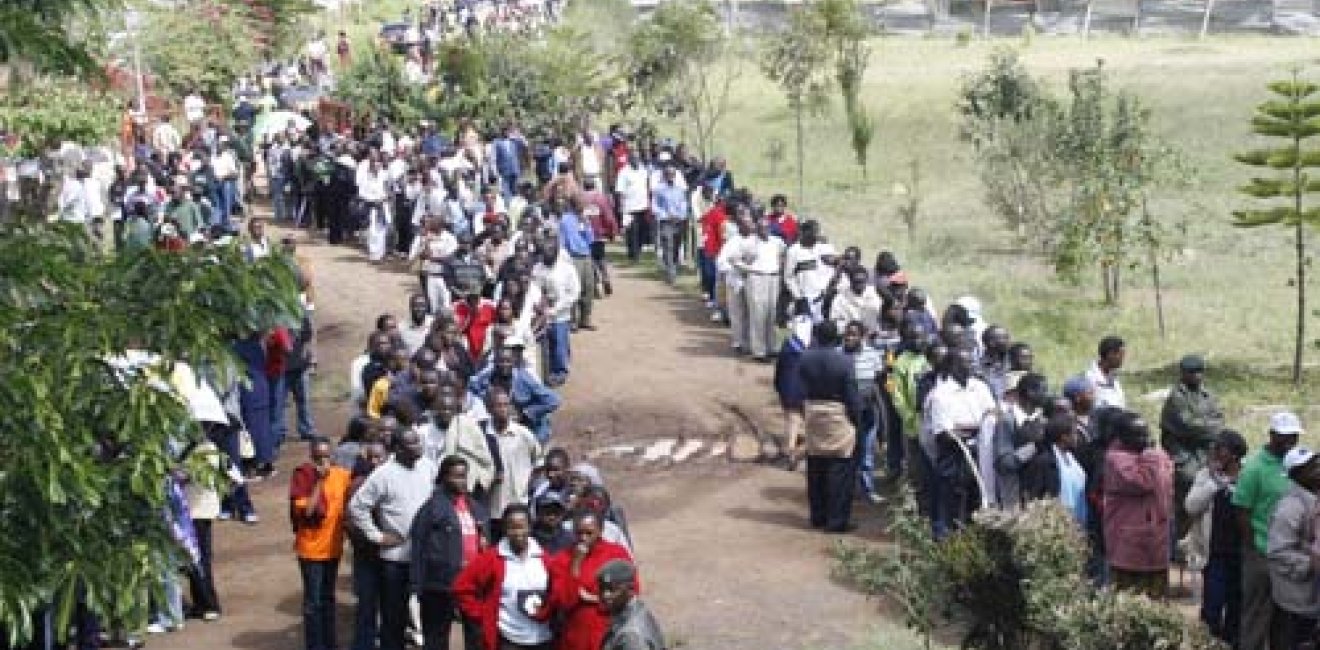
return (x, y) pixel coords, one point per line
(1015, 580)
(374, 85)
(41, 33)
(86, 449)
(43, 113)
(1293, 118)
(1074, 175)
(910, 195)
(202, 46)
(1007, 116)
(796, 58)
(681, 63)
(861, 126)
(278, 24)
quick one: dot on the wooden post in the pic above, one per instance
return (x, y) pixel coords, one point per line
(1086, 21)
(986, 31)
(1205, 20)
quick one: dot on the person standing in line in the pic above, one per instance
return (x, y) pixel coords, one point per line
(367, 567)
(599, 214)
(1293, 556)
(669, 203)
(299, 368)
(760, 269)
(577, 237)
(956, 406)
(448, 533)
(832, 413)
(788, 385)
(1190, 423)
(808, 268)
(738, 248)
(1138, 496)
(511, 589)
(633, 188)
(560, 284)
(868, 368)
(519, 452)
(585, 622)
(1262, 482)
(1215, 536)
(318, 491)
(1103, 373)
(392, 496)
(632, 626)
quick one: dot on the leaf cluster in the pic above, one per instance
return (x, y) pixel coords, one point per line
(44, 112)
(1292, 117)
(86, 445)
(202, 46)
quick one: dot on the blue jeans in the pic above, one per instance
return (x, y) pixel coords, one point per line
(299, 383)
(318, 578)
(1221, 604)
(278, 397)
(508, 187)
(866, 433)
(366, 589)
(557, 336)
(709, 273)
(279, 199)
(226, 195)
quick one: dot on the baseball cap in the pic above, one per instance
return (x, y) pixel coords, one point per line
(1296, 457)
(1076, 386)
(1192, 363)
(550, 498)
(616, 572)
(1012, 379)
(1285, 423)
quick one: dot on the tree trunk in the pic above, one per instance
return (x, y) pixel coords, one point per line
(1301, 275)
(801, 156)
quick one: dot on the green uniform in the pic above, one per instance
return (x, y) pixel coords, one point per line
(1189, 424)
(139, 235)
(188, 215)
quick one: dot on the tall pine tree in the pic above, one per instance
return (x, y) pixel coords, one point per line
(1293, 119)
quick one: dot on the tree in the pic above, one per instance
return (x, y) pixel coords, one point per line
(202, 46)
(861, 126)
(797, 58)
(682, 64)
(374, 84)
(87, 448)
(1293, 119)
(1007, 117)
(42, 33)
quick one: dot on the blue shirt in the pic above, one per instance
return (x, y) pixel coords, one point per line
(575, 234)
(669, 203)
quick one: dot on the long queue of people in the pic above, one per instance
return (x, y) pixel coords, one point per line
(868, 366)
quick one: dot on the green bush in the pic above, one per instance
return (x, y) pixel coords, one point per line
(1012, 581)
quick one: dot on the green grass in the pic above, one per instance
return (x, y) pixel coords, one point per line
(1227, 291)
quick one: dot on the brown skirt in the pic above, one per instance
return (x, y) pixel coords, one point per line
(829, 433)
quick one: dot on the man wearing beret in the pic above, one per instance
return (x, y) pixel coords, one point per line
(1189, 424)
(632, 627)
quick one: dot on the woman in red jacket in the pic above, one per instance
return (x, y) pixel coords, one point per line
(511, 589)
(585, 619)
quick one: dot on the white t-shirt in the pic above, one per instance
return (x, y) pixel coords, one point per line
(194, 108)
(632, 185)
(524, 589)
(810, 282)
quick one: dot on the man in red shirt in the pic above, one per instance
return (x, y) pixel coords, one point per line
(712, 239)
(782, 222)
(279, 344)
(318, 493)
(474, 316)
(599, 211)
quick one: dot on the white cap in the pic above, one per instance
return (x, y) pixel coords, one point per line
(515, 341)
(971, 304)
(1286, 423)
(1297, 457)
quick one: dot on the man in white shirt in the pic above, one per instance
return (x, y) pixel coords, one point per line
(165, 138)
(633, 185)
(955, 410)
(739, 247)
(559, 282)
(808, 267)
(1104, 373)
(225, 166)
(73, 198)
(760, 266)
(194, 108)
(858, 301)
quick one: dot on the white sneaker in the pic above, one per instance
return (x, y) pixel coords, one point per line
(155, 628)
(251, 518)
(211, 616)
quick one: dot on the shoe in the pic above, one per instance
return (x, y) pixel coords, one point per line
(840, 530)
(225, 515)
(251, 518)
(211, 617)
(417, 638)
(609, 288)
(715, 317)
(155, 628)
(875, 499)
(587, 326)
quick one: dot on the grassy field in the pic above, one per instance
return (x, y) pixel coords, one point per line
(1227, 292)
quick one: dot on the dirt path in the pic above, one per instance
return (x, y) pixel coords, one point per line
(726, 559)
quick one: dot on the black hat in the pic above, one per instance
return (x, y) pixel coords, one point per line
(616, 572)
(1192, 363)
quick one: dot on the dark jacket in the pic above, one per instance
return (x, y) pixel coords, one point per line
(1040, 476)
(437, 541)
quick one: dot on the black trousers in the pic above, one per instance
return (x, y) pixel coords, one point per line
(1289, 631)
(394, 594)
(830, 485)
(403, 225)
(201, 582)
(439, 610)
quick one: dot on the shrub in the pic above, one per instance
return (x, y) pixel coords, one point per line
(1013, 581)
